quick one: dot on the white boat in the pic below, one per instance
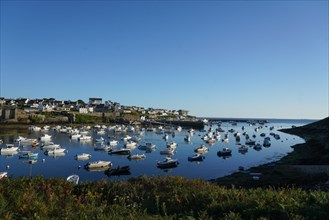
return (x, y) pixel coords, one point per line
(84, 138)
(172, 144)
(211, 140)
(136, 156)
(56, 150)
(82, 156)
(8, 148)
(73, 179)
(136, 139)
(100, 132)
(100, 140)
(50, 146)
(196, 157)
(102, 147)
(24, 140)
(113, 142)
(179, 128)
(98, 164)
(130, 144)
(168, 151)
(201, 149)
(34, 128)
(126, 138)
(121, 151)
(45, 137)
(3, 174)
(75, 136)
(167, 163)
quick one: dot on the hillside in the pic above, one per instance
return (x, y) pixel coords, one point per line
(315, 151)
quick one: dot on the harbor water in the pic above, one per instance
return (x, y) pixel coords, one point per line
(211, 167)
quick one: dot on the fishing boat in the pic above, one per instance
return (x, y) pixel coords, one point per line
(113, 142)
(136, 156)
(168, 151)
(98, 164)
(24, 140)
(130, 144)
(225, 152)
(196, 157)
(73, 179)
(201, 149)
(49, 146)
(167, 162)
(84, 138)
(8, 148)
(45, 138)
(102, 147)
(28, 155)
(172, 144)
(121, 151)
(100, 140)
(82, 156)
(56, 150)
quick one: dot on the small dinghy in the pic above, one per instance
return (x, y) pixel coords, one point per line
(73, 179)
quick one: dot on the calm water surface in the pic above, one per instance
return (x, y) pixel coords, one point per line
(212, 166)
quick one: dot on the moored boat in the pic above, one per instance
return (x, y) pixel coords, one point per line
(83, 156)
(136, 156)
(98, 164)
(201, 149)
(28, 155)
(196, 157)
(225, 152)
(172, 144)
(168, 151)
(121, 151)
(8, 148)
(168, 162)
(56, 150)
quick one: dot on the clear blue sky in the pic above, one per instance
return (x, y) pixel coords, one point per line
(264, 59)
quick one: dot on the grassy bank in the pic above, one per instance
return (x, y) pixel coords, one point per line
(154, 198)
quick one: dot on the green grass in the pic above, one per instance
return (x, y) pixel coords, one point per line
(154, 198)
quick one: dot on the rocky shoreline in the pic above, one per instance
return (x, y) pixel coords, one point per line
(295, 168)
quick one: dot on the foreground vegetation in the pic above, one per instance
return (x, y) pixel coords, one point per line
(154, 198)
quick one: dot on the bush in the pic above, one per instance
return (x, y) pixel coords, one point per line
(154, 198)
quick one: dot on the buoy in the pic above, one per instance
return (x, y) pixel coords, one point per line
(43, 160)
(7, 166)
(79, 167)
